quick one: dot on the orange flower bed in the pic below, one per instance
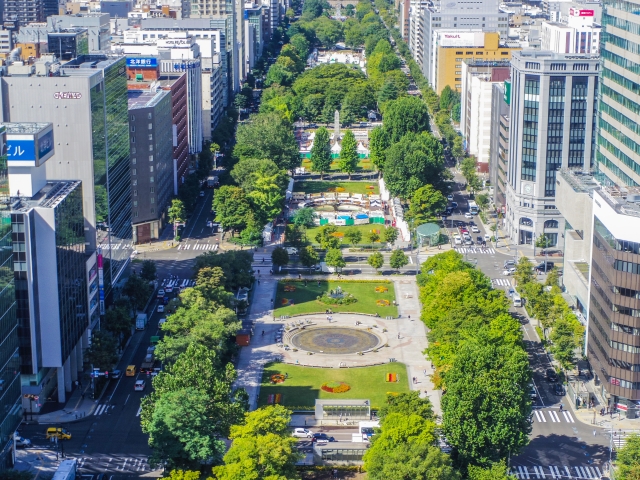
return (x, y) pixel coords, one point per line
(277, 378)
(278, 398)
(289, 288)
(285, 301)
(337, 234)
(392, 377)
(382, 302)
(335, 387)
(381, 289)
(371, 187)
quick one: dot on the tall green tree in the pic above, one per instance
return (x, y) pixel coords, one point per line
(279, 257)
(348, 154)
(628, 461)
(304, 217)
(405, 115)
(326, 238)
(321, 152)
(102, 351)
(236, 265)
(407, 404)
(497, 471)
(398, 259)
(425, 203)
(333, 258)
(176, 213)
(376, 260)
(301, 44)
(262, 448)
(524, 271)
(378, 144)
(353, 235)
(248, 171)
(137, 291)
(232, 207)
(148, 270)
(267, 198)
(391, 235)
(486, 409)
(309, 257)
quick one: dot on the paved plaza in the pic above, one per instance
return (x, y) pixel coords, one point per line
(405, 337)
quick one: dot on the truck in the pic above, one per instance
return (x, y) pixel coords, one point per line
(67, 470)
(141, 321)
(212, 181)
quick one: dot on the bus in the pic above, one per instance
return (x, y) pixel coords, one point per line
(367, 428)
(473, 207)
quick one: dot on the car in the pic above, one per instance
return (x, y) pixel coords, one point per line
(59, 433)
(468, 215)
(551, 375)
(165, 300)
(542, 266)
(464, 231)
(457, 240)
(202, 193)
(475, 229)
(454, 205)
(448, 211)
(558, 389)
(509, 271)
(450, 197)
(487, 237)
(22, 442)
(479, 239)
(468, 241)
(322, 436)
(532, 392)
(130, 371)
(209, 223)
(292, 250)
(302, 433)
(160, 308)
(116, 374)
(509, 264)
(161, 293)
(139, 385)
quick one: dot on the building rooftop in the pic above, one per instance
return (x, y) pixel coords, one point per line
(145, 98)
(550, 55)
(25, 128)
(49, 196)
(87, 65)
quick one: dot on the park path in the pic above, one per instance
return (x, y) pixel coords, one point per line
(406, 337)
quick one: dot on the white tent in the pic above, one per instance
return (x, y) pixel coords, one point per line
(336, 148)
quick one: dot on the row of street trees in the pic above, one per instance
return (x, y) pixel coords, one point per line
(477, 351)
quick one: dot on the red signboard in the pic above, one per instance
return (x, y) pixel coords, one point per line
(621, 407)
(575, 12)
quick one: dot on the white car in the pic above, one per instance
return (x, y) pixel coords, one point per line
(509, 271)
(487, 237)
(475, 229)
(139, 385)
(468, 241)
(160, 308)
(160, 293)
(457, 240)
(468, 215)
(302, 433)
(450, 197)
(292, 250)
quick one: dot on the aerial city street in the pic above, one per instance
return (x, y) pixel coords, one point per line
(314, 239)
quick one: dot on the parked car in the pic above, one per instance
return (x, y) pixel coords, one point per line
(468, 241)
(322, 437)
(487, 237)
(457, 240)
(558, 389)
(160, 293)
(139, 385)
(551, 375)
(541, 266)
(532, 392)
(302, 433)
(454, 205)
(475, 229)
(22, 442)
(468, 215)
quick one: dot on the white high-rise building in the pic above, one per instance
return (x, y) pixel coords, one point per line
(580, 34)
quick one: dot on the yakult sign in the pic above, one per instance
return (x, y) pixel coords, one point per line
(461, 39)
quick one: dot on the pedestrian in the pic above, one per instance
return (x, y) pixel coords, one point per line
(398, 336)
(76, 383)
(262, 262)
(82, 395)
(560, 407)
(286, 375)
(263, 333)
(425, 372)
(409, 317)
(271, 272)
(299, 277)
(272, 301)
(318, 282)
(258, 272)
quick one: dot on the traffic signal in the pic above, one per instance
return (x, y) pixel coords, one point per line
(106, 374)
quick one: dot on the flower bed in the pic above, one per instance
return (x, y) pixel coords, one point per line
(277, 378)
(346, 299)
(289, 288)
(274, 399)
(381, 289)
(382, 302)
(392, 377)
(335, 387)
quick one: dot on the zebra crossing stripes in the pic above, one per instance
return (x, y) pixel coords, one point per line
(554, 416)
(102, 408)
(198, 246)
(586, 472)
(487, 251)
(501, 282)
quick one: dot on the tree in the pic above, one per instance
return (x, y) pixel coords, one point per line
(301, 44)
(407, 404)
(391, 235)
(138, 291)
(628, 461)
(563, 336)
(279, 257)
(425, 203)
(176, 213)
(416, 160)
(326, 238)
(524, 271)
(389, 91)
(102, 352)
(457, 149)
(248, 171)
(405, 115)
(373, 236)
(398, 259)
(268, 135)
(236, 265)
(262, 448)
(333, 258)
(148, 271)
(321, 152)
(184, 475)
(353, 235)
(543, 241)
(304, 217)
(486, 409)
(118, 321)
(376, 260)
(483, 201)
(497, 471)
(309, 257)
(417, 461)
(266, 199)
(348, 154)
(378, 144)
(232, 207)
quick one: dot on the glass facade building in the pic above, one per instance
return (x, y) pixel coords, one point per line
(618, 153)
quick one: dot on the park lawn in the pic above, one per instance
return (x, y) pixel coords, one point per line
(364, 165)
(349, 187)
(364, 229)
(303, 385)
(304, 298)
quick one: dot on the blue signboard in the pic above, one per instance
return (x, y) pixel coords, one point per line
(45, 144)
(142, 62)
(21, 150)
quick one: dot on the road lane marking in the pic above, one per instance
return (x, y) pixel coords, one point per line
(554, 416)
(125, 402)
(568, 417)
(555, 472)
(139, 411)
(539, 474)
(540, 416)
(566, 469)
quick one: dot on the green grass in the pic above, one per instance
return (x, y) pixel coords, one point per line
(349, 187)
(364, 165)
(364, 229)
(304, 298)
(303, 386)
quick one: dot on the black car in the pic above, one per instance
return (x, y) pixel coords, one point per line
(558, 390)
(322, 436)
(551, 375)
(545, 266)
(479, 239)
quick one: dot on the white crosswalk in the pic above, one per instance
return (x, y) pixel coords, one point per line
(198, 246)
(114, 246)
(585, 472)
(102, 409)
(540, 416)
(501, 282)
(486, 251)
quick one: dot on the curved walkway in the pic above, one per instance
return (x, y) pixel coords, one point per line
(406, 338)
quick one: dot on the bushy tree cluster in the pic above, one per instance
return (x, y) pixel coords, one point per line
(477, 351)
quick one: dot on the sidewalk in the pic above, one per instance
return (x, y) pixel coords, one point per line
(76, 408)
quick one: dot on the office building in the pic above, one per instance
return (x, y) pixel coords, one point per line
(553, 105)
(6, 41)
(478, 78)
(10, 397)
(403, 19)
(212, 95)
(69, 44)
(22, 12)
(499, 143)
(150, 130)
(618, 153)
(97, 25)
(452, 47)
(86, 100)
(580, 34)
(117, 8)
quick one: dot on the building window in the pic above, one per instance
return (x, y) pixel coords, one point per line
(558, 66)
(135, 203)
(153, 210)
(151, 147)
(151, 180)
(135, 214)
(133, 128)
(134, 183)
(133, 119)
(135, 193)
(133, 149)
(151, 168)
(133, 160)
(134, 171)
(133, 139)
(150, 116)
(151, 158)
(527, 222)
(459, 53)
(532, 65)
(153, 200)
(151, 136)
(551, 224)
(530, 130)
(151, 126)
